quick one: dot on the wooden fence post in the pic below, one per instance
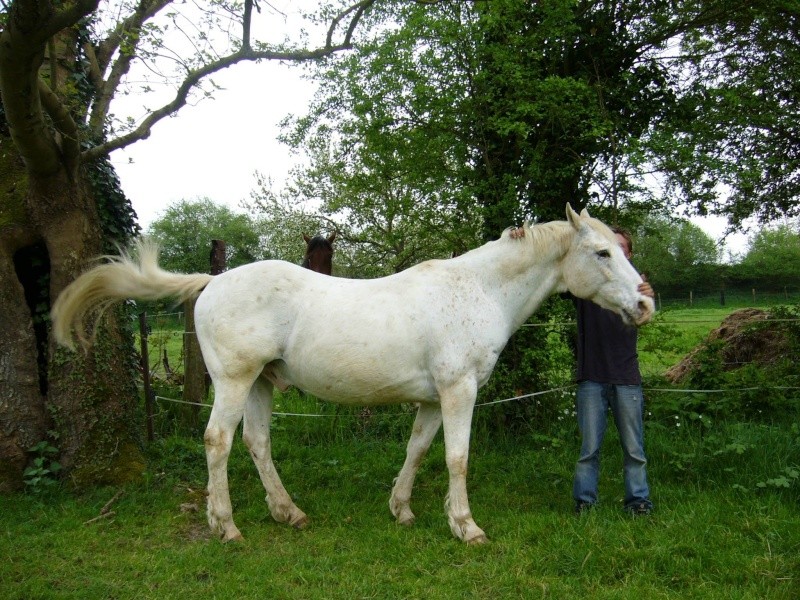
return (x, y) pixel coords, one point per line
(195, 383)
(194, 369)
(218, 263)
(148, 391)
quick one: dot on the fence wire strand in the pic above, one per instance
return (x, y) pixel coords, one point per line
(542, 392)
(522, 397)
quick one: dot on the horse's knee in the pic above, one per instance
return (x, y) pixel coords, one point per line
(214, 438)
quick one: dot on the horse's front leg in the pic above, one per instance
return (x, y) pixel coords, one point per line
(458, 403)
(256, 436)
(426, 424)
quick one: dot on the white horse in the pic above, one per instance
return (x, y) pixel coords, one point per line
(429, 335)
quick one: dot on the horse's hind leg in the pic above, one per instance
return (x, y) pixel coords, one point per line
(257, 438)
(229, 402)
(426, 424)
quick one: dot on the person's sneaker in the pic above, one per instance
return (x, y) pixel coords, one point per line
(640, 509)
(583, 507)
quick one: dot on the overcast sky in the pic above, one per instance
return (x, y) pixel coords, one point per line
(214, 148)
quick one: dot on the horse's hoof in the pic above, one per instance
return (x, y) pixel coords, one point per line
(300, 523)
(407, 520)
(236, 537)
(478, 540)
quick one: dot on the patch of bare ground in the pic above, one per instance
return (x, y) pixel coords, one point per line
(737, 342)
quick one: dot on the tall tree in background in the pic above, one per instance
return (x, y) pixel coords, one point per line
(387, 149)
(676, 256)
(61, 65)
(184, 231)
(524, 106)
(731, 146)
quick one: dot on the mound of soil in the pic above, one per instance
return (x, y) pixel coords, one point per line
(738, 343)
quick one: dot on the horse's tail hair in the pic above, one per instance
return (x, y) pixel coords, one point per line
(121, 278)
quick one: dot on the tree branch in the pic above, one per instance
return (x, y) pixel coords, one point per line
(246, 21)
(61, 19)
(245, 54)
(145, 10)
(63, 123)
(105, 90)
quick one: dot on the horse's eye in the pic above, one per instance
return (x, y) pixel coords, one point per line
(603, 253)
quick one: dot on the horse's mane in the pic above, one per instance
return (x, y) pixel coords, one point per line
(543, 237)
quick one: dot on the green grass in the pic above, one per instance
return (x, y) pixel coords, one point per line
(715, 532)
(673, 333)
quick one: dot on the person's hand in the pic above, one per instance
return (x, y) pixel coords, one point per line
(645, 289)
(516, 233)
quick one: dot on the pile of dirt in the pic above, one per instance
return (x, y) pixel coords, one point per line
(738, 343)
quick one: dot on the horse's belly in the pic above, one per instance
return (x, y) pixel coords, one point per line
(364, 386)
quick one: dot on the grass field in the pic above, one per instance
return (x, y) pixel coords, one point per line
(726, 524)
(715, 532)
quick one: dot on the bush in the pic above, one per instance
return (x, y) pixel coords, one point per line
(538, 357)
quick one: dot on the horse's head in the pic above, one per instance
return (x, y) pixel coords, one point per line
(319, 253)
(596, 268)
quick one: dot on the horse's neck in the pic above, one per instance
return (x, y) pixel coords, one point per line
(522, 273)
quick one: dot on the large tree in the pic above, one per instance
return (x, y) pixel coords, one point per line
(387, 159)
(731, 144)
(522, 106)
(61, 65)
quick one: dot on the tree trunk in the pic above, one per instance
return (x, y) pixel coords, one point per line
(83, 404)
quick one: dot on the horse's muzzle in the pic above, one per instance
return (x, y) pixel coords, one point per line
(645, 309)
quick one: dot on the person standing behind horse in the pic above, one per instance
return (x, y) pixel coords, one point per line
(609, 378)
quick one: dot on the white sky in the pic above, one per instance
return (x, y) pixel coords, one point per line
(213, 149)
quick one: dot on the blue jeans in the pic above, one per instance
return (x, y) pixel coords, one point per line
(627, 405)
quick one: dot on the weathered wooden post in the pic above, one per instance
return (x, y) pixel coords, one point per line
(148, 391)
(195, 386)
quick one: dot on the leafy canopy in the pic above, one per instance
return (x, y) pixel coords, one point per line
(185, 231)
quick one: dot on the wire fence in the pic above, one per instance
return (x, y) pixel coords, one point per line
(168, 331)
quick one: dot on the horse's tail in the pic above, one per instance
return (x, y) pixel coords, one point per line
(121, 278)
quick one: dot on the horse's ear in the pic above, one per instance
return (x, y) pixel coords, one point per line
(306, 238)
(585, 214)
(573, 217)
(331, 237)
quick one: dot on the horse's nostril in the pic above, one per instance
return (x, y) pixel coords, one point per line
(645, 310)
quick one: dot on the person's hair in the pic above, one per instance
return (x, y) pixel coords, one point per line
(626, 234)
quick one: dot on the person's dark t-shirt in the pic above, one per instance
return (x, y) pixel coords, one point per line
(606, 346)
